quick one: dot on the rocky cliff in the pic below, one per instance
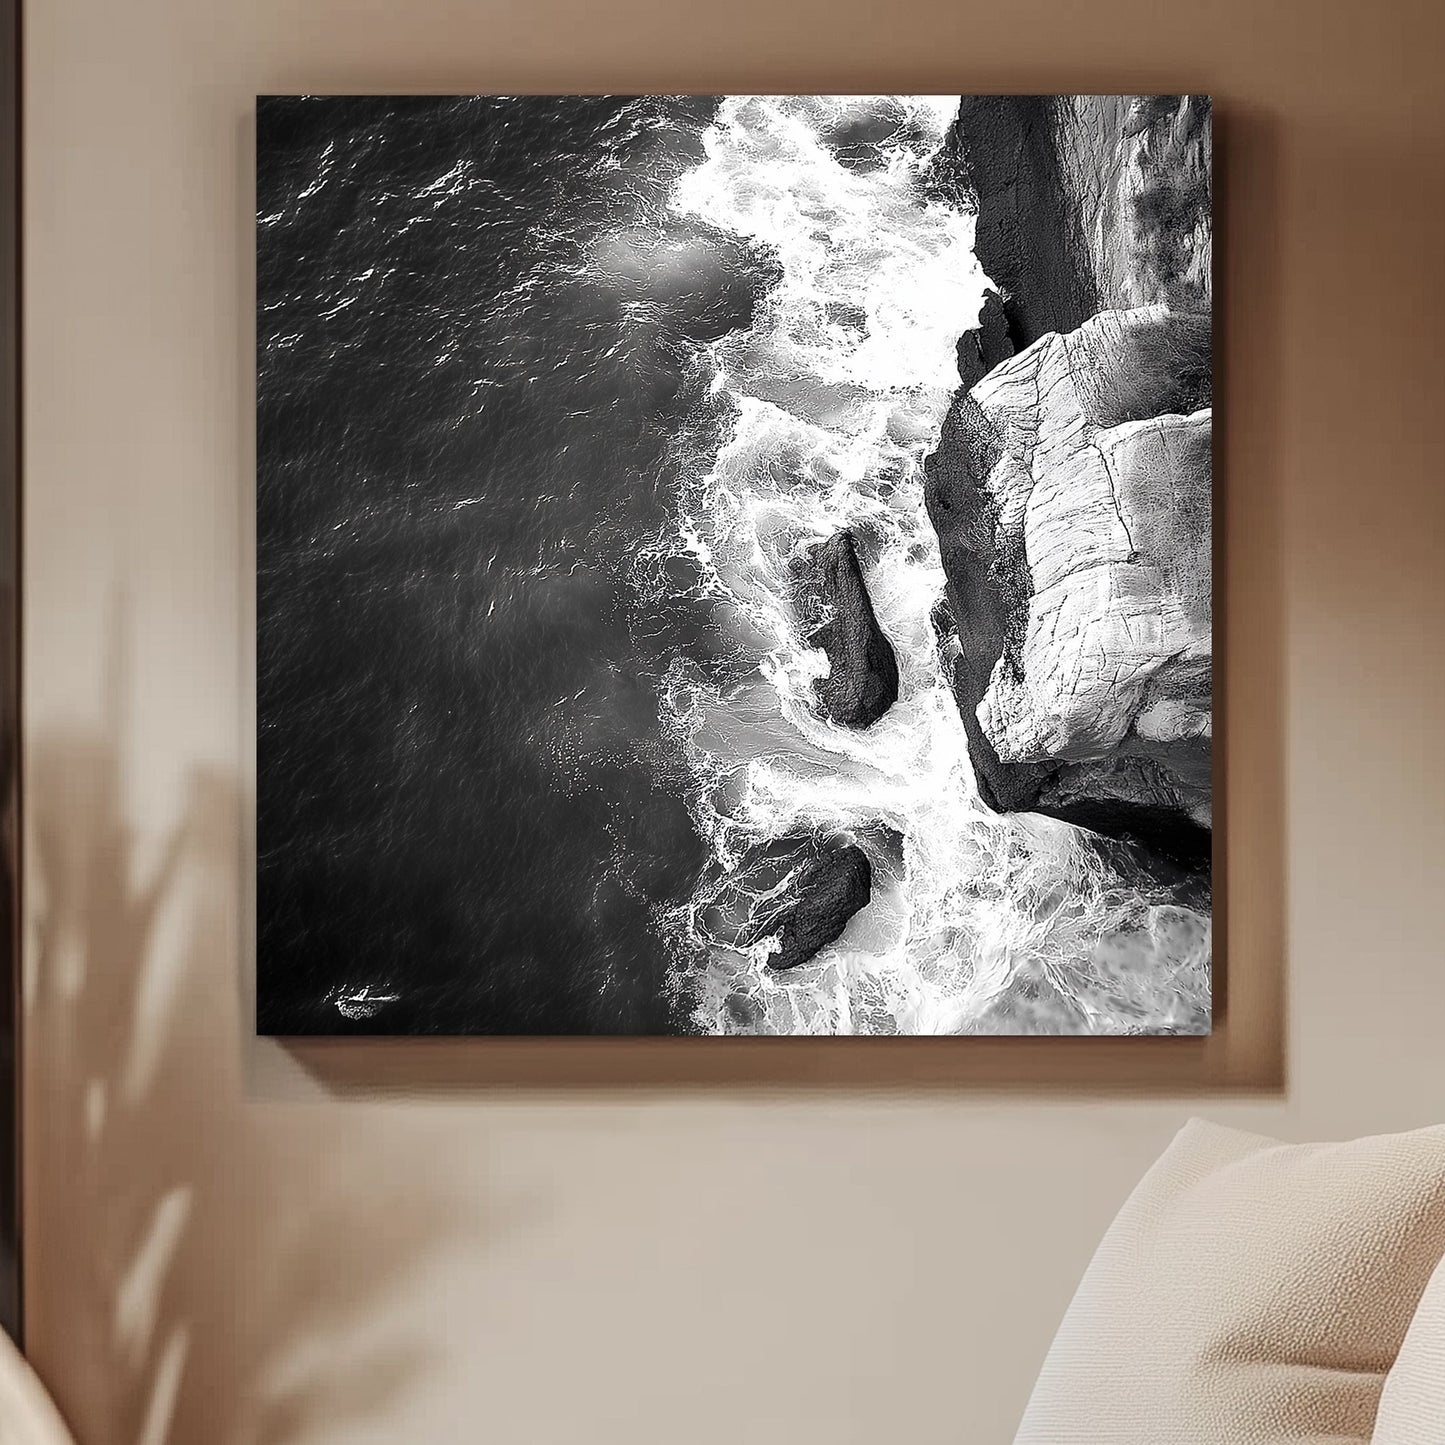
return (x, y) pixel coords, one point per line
(1071, 488)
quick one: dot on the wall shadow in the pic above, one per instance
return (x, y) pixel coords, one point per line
(219, 1268)
(1246, 1052)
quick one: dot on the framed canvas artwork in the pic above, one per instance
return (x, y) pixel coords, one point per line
(734, 565)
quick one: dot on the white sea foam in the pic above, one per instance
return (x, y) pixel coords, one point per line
(837, 393)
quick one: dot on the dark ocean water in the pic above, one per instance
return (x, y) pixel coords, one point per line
(478, 369)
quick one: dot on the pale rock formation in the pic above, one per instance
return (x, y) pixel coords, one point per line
(1072, 499)
(1119, 563)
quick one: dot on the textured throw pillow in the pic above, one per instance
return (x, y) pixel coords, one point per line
(1248, 1292)
(1412, 1408)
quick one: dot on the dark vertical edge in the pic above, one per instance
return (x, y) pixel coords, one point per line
(1218, 589)
(10, 602)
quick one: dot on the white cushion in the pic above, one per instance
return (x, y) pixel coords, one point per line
(1248, 1292)
(1412, 1407)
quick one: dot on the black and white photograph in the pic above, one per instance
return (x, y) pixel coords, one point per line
(734, 565)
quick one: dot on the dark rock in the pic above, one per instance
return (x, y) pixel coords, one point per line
(862, 683)
(982, 348)
(1029, 240)
(799, 890)
(1130, 798)
(825, 891)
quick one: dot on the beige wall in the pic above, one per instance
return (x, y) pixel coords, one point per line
(803, 1245)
